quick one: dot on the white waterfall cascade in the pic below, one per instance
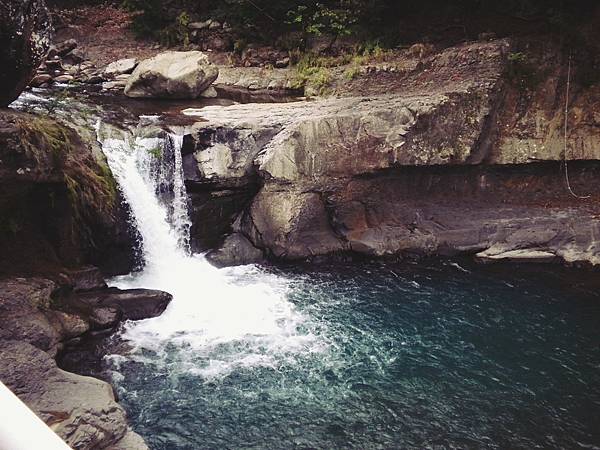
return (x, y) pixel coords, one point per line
(219, 319)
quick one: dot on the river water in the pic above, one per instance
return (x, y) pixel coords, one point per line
(359, 355)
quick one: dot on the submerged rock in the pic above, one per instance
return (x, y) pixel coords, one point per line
(237, 250)
(178, 75)
(25, 33)
(519, 255)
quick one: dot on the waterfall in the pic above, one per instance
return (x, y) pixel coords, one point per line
(219, 319)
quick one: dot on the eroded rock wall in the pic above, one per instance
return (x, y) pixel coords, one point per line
(466, 158)
(59, 205)
(37, 317)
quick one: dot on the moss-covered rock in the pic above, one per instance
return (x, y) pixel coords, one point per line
(59, 204)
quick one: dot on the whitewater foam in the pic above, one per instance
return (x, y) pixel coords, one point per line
(219, 319)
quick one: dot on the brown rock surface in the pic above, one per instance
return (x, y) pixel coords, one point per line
(25, 32)
(462, 159)
(35, 320)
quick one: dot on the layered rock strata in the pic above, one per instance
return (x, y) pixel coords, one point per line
(37, 317)
(468, 158)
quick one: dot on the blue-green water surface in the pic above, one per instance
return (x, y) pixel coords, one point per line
(435, 355)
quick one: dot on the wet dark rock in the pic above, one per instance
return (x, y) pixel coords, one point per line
(47, 223)
(94, 79)
(64, 48)
(104, 318)
(134, 304)
(74, 57)
(237, 250)
(25, 33)
(53, 64)
(214, 212)
(86, 279)
(41, 79)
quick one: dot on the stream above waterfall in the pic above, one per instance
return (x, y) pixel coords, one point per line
(353, 355)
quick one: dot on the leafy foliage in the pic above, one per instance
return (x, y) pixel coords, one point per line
(321, 19)
(376, 20)
(151, 16)
(520, 71)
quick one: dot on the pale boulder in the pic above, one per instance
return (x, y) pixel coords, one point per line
(120, 67)
(178, 75)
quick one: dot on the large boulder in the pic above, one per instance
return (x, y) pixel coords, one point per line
(178, 75)
(25, 32)
(237, 250)
(120, 67)
(81, 410)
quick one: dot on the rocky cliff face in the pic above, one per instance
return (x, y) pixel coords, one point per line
(37, 317)
(59, 210)
(25, 33)
(59, 205)
(464, 156)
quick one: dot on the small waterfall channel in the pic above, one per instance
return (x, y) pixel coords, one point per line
(219, 319)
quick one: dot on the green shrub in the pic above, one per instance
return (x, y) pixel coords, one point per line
(176, 33)
(352, 72)
(520, 71)
(150, 17)
(378, 21)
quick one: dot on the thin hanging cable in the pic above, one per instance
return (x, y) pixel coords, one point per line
(566, 135)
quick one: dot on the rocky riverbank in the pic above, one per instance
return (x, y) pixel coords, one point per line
(38, 317)
(59, 212)
(489, 148)
(465, 155)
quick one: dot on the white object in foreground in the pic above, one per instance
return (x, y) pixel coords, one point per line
(21, 429)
